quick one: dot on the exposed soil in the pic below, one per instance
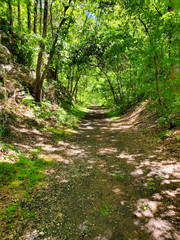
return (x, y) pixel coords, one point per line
(99, 190)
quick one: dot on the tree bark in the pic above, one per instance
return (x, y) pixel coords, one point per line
(119, 85)
(76, 85)
(35, 16)
(19, 15)
(157, 83)
(39, 80)
(111, 87)
(10, 13)
(40, 20)
(38, 86)
(29, 15)
(51, 20)
(171, 9)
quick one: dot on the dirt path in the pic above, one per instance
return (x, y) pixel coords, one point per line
(99, 189)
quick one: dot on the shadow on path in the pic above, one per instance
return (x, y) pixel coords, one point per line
(109, 183)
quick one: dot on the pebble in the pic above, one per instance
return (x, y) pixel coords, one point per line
(41, 234)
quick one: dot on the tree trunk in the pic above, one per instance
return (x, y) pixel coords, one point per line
(39, 81)
(51, 20)
(35, 16)
(157, 83)
(119, 86)
(76, 85)
(38, 85)
(10, 14)
(171, 9)
(19, 15)
(45, 18)
(40, 20)
(112, 89)
(29, 15)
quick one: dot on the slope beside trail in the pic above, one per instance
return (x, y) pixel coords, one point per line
(99, 190)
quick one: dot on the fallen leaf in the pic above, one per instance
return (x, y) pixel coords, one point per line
(59, 215)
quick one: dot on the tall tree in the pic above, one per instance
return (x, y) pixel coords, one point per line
(51, 19)
(35, 16)
(10, 13)
(29, 15)
(40, 17)
(19, 15)
(38, 86)
(40, 77)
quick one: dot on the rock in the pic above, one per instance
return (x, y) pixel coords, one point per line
(10, 88)
(41, 234)
(2, 73)
(11, 236)
(4, 50)
(4, 53)
(7, 67)
(18, 98)
(3, 36)
(2, 92)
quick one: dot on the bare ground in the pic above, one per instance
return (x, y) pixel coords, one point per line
(99, 190)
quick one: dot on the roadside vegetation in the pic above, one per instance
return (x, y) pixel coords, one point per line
(59, 57)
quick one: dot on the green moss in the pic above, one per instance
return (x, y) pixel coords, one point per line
(27, 170)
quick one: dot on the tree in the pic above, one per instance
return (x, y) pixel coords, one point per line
(35, 16)
(10, 14)
(19, 15)
(29, 15)
(40, 77)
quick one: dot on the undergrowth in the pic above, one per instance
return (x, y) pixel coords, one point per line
(20, 169)
(20, 172)
(65, 115)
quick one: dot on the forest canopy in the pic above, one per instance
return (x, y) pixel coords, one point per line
(113, 52)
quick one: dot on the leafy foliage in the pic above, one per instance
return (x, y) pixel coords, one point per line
(114, 53)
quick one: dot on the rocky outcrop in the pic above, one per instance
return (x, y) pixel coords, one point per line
(2, 92)
(10, 88)
(2, 73)
(4, 54)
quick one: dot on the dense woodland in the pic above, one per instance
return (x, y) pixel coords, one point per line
(114, 52)
(57, 58)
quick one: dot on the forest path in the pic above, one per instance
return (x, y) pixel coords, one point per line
(97, 191)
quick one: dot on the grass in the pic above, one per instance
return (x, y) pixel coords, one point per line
(19, 174)
(165, 134)
(114, 113)
(117, 175)
(59, 133)
(144, 208)
(151, 185)
(20, 170)
(178, 137)
(103, 210)
(25, 171)
(67, 115)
